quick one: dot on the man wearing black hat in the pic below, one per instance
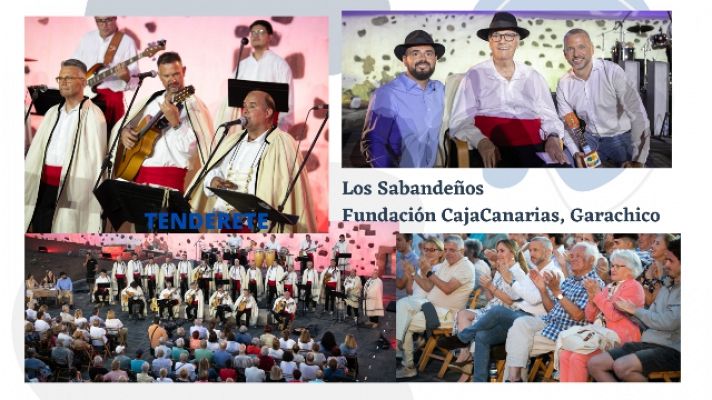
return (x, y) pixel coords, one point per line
(404, 116)
(259, 161)
(262, 65)
(504, 109)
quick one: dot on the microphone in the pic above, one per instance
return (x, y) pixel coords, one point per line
(143, 75)
(590, 156)
(37, 88)
(321, 107)
(240, 121)
(244, 41)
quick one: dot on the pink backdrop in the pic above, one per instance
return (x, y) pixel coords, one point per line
(370, 244)
(208, 47)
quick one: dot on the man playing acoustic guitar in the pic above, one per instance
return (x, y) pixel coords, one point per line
(161, 151)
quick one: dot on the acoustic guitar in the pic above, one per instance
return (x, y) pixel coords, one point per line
(98, 73)
(149, 131)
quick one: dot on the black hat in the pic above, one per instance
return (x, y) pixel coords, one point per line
(418, 38)
(264, 23)
(502, 21)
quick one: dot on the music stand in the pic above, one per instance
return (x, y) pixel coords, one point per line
(248, 203)
(43, 101)
(341, 297)
(303, 306)
(123, 201)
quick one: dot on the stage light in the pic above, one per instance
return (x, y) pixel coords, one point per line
(42, 249)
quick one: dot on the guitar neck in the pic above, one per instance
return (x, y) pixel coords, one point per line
(109, 72)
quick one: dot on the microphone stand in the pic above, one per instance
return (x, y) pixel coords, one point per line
(243, 42)
(107, 163)
(33, 97)
(290, 188)
(204, 170)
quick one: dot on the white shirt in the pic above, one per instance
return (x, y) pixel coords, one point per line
(286, 344)
(272, 274)
(184, 267)
(270, 68)
(484, 92)
(92, 49)
(598, 101)
(273, 245)
(524, 287)
(342, 247)
(41, 326)
(175, 146)
(254, 374)
(236, 272)
(61, 140)
(120, 268)
(151, 269)
(252, 274)
(309, 276)
(134, 267)
(234, 242)
(238, 166)
(307, 245)
(168, 269)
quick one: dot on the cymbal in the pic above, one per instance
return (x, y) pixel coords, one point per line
(639, 28)
(29, 59)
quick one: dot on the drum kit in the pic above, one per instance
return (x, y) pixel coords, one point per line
(623, 52)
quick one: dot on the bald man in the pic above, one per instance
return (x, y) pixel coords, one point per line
(259, 161)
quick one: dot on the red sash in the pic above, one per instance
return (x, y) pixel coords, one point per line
(218, 276)
(510, 132)
(119, 276)
(288, 288)
(172, 177)
(331, 285)
(183, 276)
(272, 283)
(51, 174)
(236, 284)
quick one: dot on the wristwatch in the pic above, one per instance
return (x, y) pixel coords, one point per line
(429, 274)
(560, 296)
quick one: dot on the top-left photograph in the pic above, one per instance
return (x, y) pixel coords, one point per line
(176, 124)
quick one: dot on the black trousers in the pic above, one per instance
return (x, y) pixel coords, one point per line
(271, 294)
(204, 285)
(183, 287)
(248, 314)
(44, 208)
(308, 296)
(191, 310)
(351, 310)
(253, 288)
(151, 287)
(120, 284)
(131, 304)
(220, 312)
(166, 303)
(330, 299)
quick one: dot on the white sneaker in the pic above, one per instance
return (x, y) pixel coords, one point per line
(405, 373)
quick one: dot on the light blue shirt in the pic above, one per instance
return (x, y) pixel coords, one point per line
(64, 284)
(402, 125)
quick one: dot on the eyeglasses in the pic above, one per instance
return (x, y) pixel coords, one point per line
(451, 251)
(61, 79)
(258, 32)
(618, 266)
(508, 37)
(104, 20)
(430, 249)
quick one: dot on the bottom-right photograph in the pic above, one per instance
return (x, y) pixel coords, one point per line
(542, 307)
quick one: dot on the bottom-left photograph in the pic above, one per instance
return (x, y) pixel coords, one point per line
(211, 307)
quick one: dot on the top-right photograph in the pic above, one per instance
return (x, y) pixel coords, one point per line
(519, 89)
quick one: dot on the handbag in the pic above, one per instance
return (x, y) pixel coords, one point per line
(588, 338)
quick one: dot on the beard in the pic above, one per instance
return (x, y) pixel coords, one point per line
(422, 75)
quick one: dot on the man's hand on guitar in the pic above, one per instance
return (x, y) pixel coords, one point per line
(128, 137)
(122, 73)
(170, 112)
(222, 183)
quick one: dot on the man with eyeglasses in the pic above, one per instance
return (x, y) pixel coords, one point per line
(503, 108)
(448, 290)
(186, 130)
(262, 65)
(260, 161)
(597, 91)
(64, 160)
(95, 47)
(403, 121)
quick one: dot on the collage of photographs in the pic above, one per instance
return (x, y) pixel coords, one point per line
(184, 231)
